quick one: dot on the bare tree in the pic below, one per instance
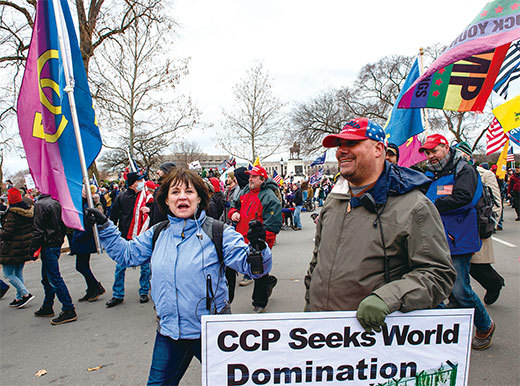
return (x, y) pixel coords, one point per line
(135, 81)
(256, 125)
(185, 153)
(98, 21)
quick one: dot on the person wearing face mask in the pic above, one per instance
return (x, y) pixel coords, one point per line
(124, 211)
(455, 193)
(184, 262)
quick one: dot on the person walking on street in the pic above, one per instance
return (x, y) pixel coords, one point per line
(298, 205)
(47, 237)
(455, 195)
(15, 241)
(258, 201)
(379, 245)
(481, 269)
(123, 212)
(514, 191)
(82, 245)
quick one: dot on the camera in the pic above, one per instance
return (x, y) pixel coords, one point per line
(255, 261)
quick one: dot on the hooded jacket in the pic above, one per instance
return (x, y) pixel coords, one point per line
(259, 204)
(182, 259)
(16, 233)
(348, 259)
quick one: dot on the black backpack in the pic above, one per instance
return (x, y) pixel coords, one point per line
(213, 228)
(486, 218)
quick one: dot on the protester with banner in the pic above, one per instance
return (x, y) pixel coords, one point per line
(380, 245)
(187, 279)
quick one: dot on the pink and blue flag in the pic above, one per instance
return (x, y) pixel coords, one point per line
(409, 152)
(44, 114)
(477, 54)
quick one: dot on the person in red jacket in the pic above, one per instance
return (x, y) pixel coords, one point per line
(258, 201)
(514, 191)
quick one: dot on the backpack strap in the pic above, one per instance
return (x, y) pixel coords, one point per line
(158, 229)
(215, 230)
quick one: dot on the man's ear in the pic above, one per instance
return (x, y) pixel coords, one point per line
(380, 149)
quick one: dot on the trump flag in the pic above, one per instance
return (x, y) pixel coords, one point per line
(44, 113)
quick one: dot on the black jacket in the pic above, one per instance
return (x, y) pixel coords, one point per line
(298, 197)
(123, 211)
(48, 228)
(156, 215)
(217, 204)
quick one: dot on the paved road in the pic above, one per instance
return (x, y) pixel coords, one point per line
(121, 339)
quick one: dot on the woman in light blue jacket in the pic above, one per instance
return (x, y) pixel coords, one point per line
(183, 260)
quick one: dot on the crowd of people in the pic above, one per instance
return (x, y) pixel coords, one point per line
(412, 240)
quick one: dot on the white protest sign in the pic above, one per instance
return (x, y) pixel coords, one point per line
(29, 182)
(417, 348)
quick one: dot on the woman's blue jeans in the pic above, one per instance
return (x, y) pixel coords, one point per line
(297, 216)
(13, 273)
(465, 295)
(171, 359)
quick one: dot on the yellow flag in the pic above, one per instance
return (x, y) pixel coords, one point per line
(508, 114)
(257, 162)
(502, 162)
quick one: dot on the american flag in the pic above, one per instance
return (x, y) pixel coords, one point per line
(277, 178)
(510, 155)
(509, 71)
(496, 138)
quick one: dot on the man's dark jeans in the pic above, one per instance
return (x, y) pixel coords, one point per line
(52, 281)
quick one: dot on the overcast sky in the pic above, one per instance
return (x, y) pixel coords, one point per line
(306, 46)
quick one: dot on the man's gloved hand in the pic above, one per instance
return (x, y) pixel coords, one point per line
(94, 216)
(371, 313)
(256, 235)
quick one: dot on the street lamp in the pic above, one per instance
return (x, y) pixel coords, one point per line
(281, 167)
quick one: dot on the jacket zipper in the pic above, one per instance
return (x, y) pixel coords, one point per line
(336, 251)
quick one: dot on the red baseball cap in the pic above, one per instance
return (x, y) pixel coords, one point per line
(433, 141)
(257, 171)
(356, 130)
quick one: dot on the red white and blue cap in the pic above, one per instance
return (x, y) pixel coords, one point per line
(257, 171)
(357, 129)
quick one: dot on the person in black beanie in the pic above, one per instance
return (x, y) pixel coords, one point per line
(392, 153)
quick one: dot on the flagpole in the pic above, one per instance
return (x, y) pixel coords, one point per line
(425, 111)
(69, 89)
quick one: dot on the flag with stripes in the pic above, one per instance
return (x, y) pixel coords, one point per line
(316, 177)
(277, 178)
(509, 71)
(496, 138)
(510, 155)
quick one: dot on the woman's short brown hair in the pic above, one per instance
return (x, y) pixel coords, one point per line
(182, 176)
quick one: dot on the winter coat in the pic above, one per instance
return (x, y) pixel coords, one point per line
(348, 259)
(514, 184)
(298, 197)
(486, 255)
(82, 242)
(180, 264)
(455, 195)
(48, 228)
(16, 233)
(217, 204)
(262, 205)
(123, 210)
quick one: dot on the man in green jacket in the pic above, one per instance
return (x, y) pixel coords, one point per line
(380, 245)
